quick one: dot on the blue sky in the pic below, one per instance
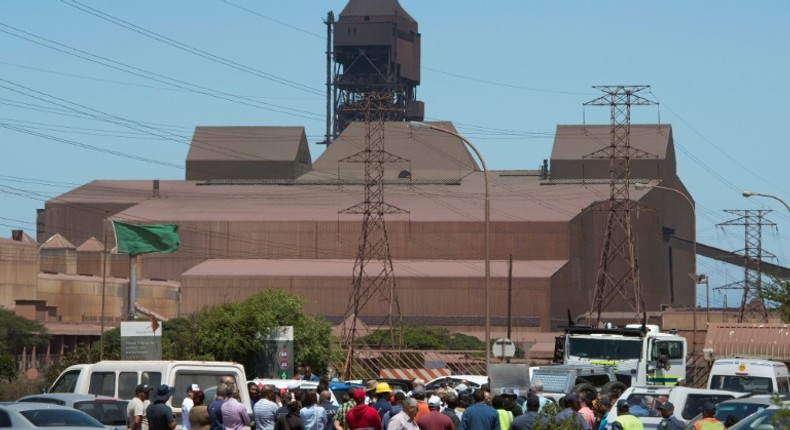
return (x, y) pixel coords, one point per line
(506, 74)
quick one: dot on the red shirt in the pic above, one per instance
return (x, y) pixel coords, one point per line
(363, 416)
(436, 420)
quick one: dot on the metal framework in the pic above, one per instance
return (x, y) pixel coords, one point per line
(617, 273)
(373, 273)
(753, 253)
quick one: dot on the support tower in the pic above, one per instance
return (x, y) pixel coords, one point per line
(618, 270)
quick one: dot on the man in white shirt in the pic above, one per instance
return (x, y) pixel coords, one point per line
(187, 404)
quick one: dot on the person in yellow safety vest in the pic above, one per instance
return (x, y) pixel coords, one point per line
(624, 420)
(708, 421)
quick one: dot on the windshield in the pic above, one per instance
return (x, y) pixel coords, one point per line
(604, 348)
(743, 384)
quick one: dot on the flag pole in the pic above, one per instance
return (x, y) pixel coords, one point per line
(132, 285)
(103, 284)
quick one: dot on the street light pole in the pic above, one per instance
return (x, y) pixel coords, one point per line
(416, 125)
(694, 276)
(748, 194)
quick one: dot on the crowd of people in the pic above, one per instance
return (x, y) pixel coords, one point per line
(377, 407)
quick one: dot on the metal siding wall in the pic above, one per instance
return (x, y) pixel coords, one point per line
(18, 272)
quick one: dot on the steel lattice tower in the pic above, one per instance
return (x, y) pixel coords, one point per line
(753, 254)
(373, 273)
(618, 270)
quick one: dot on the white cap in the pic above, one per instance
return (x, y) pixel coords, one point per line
(292, 385)
(434, 401)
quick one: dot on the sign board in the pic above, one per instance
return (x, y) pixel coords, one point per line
(503, 348)
(139, 340)
(276, 354)
(512, 376)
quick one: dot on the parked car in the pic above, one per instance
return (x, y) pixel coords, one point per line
(732, 411)
(472, 381)
(29, 415)
(767, 419)
(107, 410)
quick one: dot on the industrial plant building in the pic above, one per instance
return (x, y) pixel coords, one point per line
(255, 211)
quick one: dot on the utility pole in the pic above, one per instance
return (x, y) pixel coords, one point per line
(373, 273)
(753, 254)
(618, 267)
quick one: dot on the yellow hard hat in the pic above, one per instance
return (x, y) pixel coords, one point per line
(383, 387)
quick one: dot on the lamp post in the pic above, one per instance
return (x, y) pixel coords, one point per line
(422, 125)
(748, 194)
(697, 279)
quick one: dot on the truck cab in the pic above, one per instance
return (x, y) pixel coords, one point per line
(640, 351)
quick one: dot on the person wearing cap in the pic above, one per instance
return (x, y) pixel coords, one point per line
(362, 416)
(135, 410)
(530, 417)
(708, 421)
(418, 393)
(382, 404)
(509, 398)
(160, 416)
(505, 416)
(624, 420)
(370, 391)
(569, 405)
(480, 416)
(435, 420)
(669, 421)
(187, 404)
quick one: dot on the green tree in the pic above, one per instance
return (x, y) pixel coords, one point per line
(8, 370)
(229, 331)
(778, 292)
(17, 333)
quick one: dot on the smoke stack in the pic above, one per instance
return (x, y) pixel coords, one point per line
(156, 188)
(17, 235)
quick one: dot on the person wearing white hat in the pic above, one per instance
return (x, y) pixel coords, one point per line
(187, 404)
(435, 420)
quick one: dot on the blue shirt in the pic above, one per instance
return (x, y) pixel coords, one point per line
(265, 414)
(480, 416)
(313, 417)
(215, 414)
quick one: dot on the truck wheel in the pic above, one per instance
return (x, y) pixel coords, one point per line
(607, 387)
(588, 389)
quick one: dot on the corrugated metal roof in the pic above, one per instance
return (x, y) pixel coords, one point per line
(430, 154)
(749, 340)
(574, 142)
(5, 241)
(257, 143)
(57, 242)
(344, 268)
(91, 245)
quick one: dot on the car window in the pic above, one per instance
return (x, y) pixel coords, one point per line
(672, 349)
(5, 420)
(153, 379)
(783, 385)
(694, 402)
(733, 412)
(109, 413)
(127, 382)
(643, 405)
(66, 383)
(59, 417)
(206, 380)
(102, 384)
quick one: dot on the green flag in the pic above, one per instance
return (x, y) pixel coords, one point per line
(144, 239)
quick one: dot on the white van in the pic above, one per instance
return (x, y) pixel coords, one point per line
(749, 376)
(119, 379)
